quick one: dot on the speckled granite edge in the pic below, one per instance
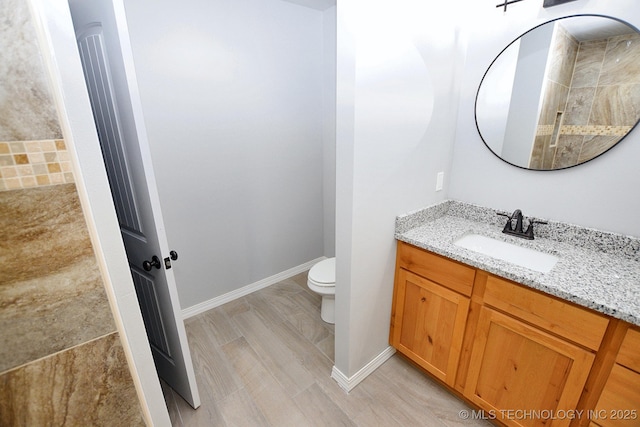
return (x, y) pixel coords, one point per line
(604, 276)
(585, 237)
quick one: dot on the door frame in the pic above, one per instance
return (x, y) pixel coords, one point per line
(56, 37)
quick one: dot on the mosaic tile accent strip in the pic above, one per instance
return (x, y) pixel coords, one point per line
(595, 130)
(29, 164)
(544, 130)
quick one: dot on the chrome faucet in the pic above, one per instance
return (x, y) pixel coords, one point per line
(518, 230)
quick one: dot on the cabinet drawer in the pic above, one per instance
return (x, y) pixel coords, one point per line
(561, 318)
(629, 354)
(448, 273)
(619, 403)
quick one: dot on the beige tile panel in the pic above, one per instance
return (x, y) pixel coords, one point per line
(589, 63)
(27, 110)
(595, 145)
(51, 294)
(616, 105)
(42, 230)
(568, 151)
(86, 385)
(27, 164)
(621, 64)
(579, 104)
(45, 315)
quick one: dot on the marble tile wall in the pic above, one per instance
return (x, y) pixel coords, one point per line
(60, 353)
(562, 59)
(52, 296)
(604, 100)
(599, 102)
(61, 358)
(87, 385)
(27, 111)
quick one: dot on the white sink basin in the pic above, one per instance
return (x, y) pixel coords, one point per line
(514, 254)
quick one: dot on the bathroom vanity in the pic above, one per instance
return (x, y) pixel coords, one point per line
(526, 347)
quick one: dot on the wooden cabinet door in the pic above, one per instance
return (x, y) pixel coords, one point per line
(522, 375)
(429, 324)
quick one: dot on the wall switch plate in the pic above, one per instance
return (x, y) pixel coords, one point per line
(439, 181)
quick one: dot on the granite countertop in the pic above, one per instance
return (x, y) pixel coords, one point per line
(596, 269)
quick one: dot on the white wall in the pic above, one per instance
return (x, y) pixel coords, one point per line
(329, 129)
(233, 104)
(396, 115)
(601, 193)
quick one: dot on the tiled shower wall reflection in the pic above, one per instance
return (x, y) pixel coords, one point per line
(562, 57)
(605, 78)
(595, 107)
(61, 359)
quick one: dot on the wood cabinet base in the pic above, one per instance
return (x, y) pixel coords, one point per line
(522, 357)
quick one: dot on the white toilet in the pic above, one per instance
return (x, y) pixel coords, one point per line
(322, 280)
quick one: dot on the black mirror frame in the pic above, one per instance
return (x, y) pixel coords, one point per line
(475, 107)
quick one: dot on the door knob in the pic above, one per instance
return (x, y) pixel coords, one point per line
(148, 265)
(173, 255)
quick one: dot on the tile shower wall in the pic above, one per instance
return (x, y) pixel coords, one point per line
(594, 113)
(61, 359)
(558, 84)
(604, 77)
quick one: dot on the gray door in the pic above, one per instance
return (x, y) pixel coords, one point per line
(132, 181)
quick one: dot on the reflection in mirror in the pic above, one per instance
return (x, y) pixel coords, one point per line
(562, 93)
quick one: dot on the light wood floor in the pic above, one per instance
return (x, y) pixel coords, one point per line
(266, 359)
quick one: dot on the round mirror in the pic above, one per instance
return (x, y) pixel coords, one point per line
(561, 94)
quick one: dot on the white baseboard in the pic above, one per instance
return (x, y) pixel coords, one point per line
(348, 384)
(245, 290)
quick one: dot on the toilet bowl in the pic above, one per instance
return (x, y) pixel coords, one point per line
(322, 280)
